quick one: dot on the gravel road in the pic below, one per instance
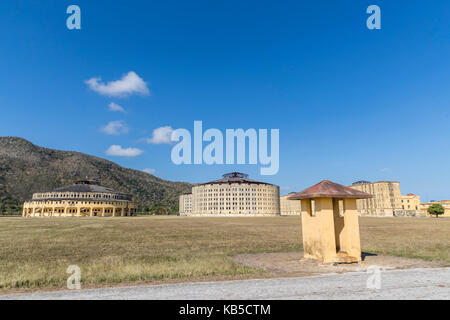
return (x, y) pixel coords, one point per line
(395, 284)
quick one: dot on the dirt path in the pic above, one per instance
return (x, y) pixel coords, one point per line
(293, 264)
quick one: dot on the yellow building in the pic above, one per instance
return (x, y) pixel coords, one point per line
(410, 202)
(445, 203)
(83, 199)
(385, 198)
(330, 226)
(233, 195)
(289, 207)
(185, 204)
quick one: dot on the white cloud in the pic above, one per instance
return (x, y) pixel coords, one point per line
(114, 107)
(118, 151)
(129, 84)
(161, 136)
(150, 171)
(115, 127)
(385, 169)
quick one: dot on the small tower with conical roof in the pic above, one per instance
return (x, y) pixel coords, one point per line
(330, 224)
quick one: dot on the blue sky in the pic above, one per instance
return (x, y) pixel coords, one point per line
(350, 103)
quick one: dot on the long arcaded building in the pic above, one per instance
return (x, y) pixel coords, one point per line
(83, 199)
(233, 195)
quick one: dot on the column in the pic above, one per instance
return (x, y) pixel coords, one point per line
(103, 211)
(351, 220)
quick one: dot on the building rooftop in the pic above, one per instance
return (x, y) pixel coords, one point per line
(369, 182)
(86, 186)
(234, 177)
(328, 189)
(360, 182)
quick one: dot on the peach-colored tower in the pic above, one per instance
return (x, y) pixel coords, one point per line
(330, 222)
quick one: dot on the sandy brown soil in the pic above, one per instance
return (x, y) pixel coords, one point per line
(293, 264)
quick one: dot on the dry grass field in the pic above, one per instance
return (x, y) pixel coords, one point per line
(35, 253)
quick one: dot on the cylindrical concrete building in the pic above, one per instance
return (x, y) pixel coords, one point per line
(233, 195)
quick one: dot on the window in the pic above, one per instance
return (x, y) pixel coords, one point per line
(341, 208)
(313, 208)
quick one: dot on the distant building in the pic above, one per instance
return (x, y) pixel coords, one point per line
(387, 200)
(445, 203)
(233, 195)
(290, 207)
(410, 202)
(185, 204)
(83, 199)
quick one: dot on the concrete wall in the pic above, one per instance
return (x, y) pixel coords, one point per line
(331, 230)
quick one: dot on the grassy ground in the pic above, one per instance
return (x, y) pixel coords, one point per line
(35, 253)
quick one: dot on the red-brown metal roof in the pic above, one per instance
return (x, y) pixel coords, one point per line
(328, 189)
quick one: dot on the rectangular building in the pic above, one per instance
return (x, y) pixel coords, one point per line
(290, 207)
(386, 198)
(185, 204)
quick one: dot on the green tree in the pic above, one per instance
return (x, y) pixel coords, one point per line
(158, 209)
(436, 210)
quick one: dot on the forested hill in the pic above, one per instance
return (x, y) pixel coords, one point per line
(26, 168)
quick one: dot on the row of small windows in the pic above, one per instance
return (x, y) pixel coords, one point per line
(80, 195)
(78, 202)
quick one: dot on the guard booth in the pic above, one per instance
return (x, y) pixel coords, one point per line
(330, 224)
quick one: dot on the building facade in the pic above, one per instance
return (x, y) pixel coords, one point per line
(83, 199)
(410, 202)
(410, 206)
(387, 200)
(290, 207)
(185, 204)
(233, 195)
